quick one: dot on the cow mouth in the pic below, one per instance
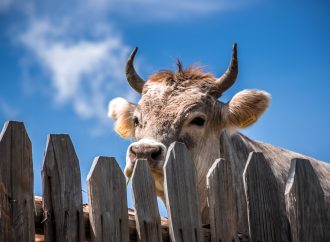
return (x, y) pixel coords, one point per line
(156, 171)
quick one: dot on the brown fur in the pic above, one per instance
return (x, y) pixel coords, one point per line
(190, 77)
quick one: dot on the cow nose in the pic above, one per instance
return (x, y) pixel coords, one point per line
(153, 153)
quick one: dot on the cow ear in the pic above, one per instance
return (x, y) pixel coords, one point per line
(121, 111)
(245, 108)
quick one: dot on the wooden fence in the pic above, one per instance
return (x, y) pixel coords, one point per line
(61, 216)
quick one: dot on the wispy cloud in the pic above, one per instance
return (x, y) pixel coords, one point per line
(83, 72)
(81, 52)
(168, 10)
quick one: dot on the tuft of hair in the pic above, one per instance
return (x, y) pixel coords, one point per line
(122, 111)
(180, 66)
(185, 77)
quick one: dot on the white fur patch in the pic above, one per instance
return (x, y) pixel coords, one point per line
(116, 106)
(156, 89)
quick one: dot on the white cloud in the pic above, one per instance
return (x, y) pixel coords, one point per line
(159, 9)
(83, 72)
(82, 54)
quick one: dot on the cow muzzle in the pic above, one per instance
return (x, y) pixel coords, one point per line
(148, 149)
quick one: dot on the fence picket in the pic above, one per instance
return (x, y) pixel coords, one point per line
(16, 184)
(62, 199)
(145, 201)
(305, 204)
(221, 200)
(263, 202)
(181, 195)
(60, 215)
(107, 201)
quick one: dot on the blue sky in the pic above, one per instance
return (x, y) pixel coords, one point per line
(61, 62)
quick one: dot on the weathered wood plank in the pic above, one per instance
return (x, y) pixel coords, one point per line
(62, 198)
(107, 200)
(16, 184)
(221, 200)
(131, 223)
(145, 202)
(263, 202)
(305, 204)
(181, 195)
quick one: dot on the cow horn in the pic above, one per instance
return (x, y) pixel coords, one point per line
(132, 77)
(229, 77)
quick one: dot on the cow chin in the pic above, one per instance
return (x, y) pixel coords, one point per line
(159, 182)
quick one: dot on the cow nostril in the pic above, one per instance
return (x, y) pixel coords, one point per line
(145, 151)
(133, 150)
(155, 155)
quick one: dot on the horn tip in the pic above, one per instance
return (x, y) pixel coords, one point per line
(235, 47)
(234, 53)
(132, 55)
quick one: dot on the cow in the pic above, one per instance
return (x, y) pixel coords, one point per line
(184, 106)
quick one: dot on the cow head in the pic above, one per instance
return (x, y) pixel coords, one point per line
(182, 106)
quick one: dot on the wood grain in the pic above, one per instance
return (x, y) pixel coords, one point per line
(181, 195)
(131, 223)
(305, 204)
(62, 199)
(107, 200)
(263, 201)
(16, 184)
(221, 200)
(145, 202)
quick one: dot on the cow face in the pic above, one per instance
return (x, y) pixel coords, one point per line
(181, 106)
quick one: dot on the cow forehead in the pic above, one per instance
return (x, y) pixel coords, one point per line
(171, 100)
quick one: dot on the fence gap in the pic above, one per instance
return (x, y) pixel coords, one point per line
(16, 184)
(263, 201)
(147, 215)
(181, 195)
(221, 200)
(62, 199)
(305, 204)
(107, 201)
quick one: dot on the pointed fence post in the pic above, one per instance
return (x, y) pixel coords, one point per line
(305, 204)
(16, 184)
(221, 200)
(62, 199)
(107, 200)
(147, 215)
(181, 195)
(263, 201)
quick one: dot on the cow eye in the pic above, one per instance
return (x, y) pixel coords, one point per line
(198, 121)
(135, 121)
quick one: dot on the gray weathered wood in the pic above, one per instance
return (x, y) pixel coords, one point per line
(181, 195)
(221, 200)
(305, 204)
(62, 199)
(16, 184)
(107, 201)
(131, 223)
(263, 202)
(145, 202)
